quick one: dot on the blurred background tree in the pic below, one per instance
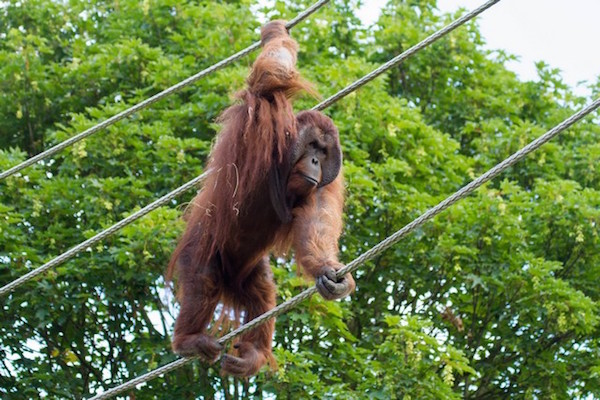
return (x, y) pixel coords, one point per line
(497, 298)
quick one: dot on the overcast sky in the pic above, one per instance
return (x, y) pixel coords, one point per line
(565, 34)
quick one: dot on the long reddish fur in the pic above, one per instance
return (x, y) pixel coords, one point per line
(231, 220)
(252, 138)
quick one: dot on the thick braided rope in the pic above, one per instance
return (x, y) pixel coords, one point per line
(155, 373)
(404, 55)
(469, 188)
(102, 235)
(151, 100)
(163, 200)
(447, 29)
(371, 253)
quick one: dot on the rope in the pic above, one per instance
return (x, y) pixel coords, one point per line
(371, 253)
(469, 188)
(151, 207)
(360, 82)
(404, 55)
(102, 235)
(180, 362)
(151, 100)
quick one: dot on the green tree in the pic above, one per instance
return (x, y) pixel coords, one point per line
(496, 298)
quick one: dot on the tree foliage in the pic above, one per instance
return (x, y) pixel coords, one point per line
(498, 297)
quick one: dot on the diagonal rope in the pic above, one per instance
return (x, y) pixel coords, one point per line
(370, 254)
(151, 100)
(358, 83)
(73, 251)
(151, 207)
(469, 188)
(404, 55)
(391, 240)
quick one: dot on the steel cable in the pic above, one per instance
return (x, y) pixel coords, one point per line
(355, 85)
(73, 251)
(391, 240)
(151, 100)
(404, 55)
(368, 255)
(163, 200)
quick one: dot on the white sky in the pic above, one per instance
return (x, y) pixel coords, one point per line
(562, 33)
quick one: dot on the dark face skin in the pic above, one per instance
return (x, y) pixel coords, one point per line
(315, 161)
(307, 173)
(310, 166)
